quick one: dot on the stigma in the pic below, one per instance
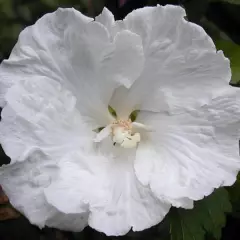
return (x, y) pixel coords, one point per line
(123, 135)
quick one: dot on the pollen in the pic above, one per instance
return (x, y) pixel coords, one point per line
(126, 124)
(122, 134)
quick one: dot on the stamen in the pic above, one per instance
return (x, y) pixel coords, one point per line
(122, 134)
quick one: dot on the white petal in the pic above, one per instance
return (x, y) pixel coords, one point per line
(141, 126)
(41, 47)
(191, 154)
(24, 184)
(89, 50)
(41, 114)
(68, 222)
(106, 18)
(129, 205)
(182, 68)
(129, 60)
(70, 48)
(50, 48)
(150, 168)
(77, 183)
(100, 65)
(155, 24)
(104, 133)
(119, 104)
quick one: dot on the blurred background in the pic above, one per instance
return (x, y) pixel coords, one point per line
(219, 18)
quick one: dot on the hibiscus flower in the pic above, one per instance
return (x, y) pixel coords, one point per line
(110, 123)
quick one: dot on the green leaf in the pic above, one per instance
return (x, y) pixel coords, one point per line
(234, 193)
(232, 51)
(208, 215)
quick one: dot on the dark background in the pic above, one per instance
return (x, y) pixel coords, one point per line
(217, 18)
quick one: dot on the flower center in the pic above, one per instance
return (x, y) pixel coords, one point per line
(122, 134)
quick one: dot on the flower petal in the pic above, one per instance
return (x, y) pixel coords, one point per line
(191, 154)
(78, 177)
(104, 133)
(127, 64)
(178, 55)
(40, 113)
(100, 63)
(152, 168)
(41, 47)
(68, 222)
(49, 49)
(106, 18)
(24, 184)
(77, 52)
(118, 201)
(129, 205)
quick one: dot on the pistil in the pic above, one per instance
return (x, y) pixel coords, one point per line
(123, 135)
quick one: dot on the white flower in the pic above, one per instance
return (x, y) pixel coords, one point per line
(56, 88)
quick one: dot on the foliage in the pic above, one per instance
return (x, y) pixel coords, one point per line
(234, 193)
(232, 51)
(208, 215)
